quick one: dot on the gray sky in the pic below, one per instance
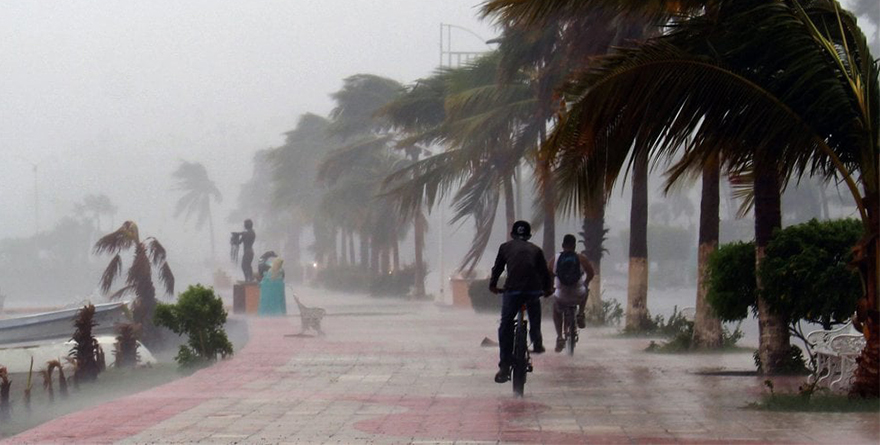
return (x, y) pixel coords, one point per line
(108, 96)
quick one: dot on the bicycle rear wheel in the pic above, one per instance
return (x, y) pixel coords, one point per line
(520, 359)
(571, 328)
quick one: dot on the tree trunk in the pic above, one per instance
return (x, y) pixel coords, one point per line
(292, 251)
(351, 257)
(374, 256)
(395, 255)
(332, 247)
(365, 251)
(548, 198)
(637, 290)
(774, 342)
(211, 234)
(343, 245)
(509, 204)
(385, 265)
(707, 327)
(419, 232)
(866, 381)
(594, 236)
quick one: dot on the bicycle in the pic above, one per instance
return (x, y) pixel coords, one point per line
(522, 361)
(569, 328)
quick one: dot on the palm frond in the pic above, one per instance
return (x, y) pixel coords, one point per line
(166, 277)
(113, 269)
(155, 251)
(484, 219)
(121, 292)
(123, 238)
(535, 13)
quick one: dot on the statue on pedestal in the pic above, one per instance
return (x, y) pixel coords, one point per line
(246, 239)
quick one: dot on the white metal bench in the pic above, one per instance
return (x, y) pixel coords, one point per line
(836, 351)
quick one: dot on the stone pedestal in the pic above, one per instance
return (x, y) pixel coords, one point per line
(246, 298)
(460, 297)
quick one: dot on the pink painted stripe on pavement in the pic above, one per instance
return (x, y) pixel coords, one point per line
(125, 417)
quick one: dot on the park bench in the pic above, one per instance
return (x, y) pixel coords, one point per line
(835, 355)
(310, 317)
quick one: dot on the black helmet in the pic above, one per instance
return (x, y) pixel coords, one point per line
(521, 230)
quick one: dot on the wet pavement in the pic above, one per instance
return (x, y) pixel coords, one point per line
(390, 371)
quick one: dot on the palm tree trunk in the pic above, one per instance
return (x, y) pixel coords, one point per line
(211, 234)
(292, 252)
(365, 251)
(548, 201)
(351, 248)
(332, 247)
(773, 329)
(594, 236)
(374, 256)
(866, 381)
(707, 327)
(343, 245)
(386, 260)
(395, 255)
(637, 290)
(509, 204)
(419, 232)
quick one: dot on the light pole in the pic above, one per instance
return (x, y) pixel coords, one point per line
(451, 59)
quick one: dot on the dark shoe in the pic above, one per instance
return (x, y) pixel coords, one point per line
(581, 321)
(503, 375)
(560, 344)
(538, 349)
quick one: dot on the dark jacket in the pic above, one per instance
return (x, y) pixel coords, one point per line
(526, 267)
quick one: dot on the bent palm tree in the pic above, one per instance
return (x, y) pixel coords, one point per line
(147, 254)
(774, 88)
(198, 191)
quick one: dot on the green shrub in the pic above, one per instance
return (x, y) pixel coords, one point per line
(609, 314)
(200, 315)
(792, 363)
(806, 273)
(732, 288)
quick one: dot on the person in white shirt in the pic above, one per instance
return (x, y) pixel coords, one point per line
(572, 272)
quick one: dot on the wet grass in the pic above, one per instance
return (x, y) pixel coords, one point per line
(824, 403)
(111, 384)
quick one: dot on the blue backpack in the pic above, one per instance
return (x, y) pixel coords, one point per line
(568, 268)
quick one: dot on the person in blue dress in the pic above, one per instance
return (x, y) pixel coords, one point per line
(272, 296)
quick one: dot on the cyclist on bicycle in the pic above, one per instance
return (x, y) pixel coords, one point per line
(528, 278)
(573, 272)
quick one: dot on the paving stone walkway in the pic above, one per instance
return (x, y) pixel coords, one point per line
(401, 372)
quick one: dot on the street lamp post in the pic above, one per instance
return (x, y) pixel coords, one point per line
(451, 59)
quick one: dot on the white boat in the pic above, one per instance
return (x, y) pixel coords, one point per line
(59, 324)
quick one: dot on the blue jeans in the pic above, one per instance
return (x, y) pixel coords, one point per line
(511, 302)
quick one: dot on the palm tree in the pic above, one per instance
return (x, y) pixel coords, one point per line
(147, 254)
(354, 173)
(291, 174)
(198, 192)
(488, 126)
(581, 30)
(776, 89)
(96, 205)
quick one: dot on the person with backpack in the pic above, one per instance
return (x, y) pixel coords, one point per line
(573, 273)
(528, 278)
